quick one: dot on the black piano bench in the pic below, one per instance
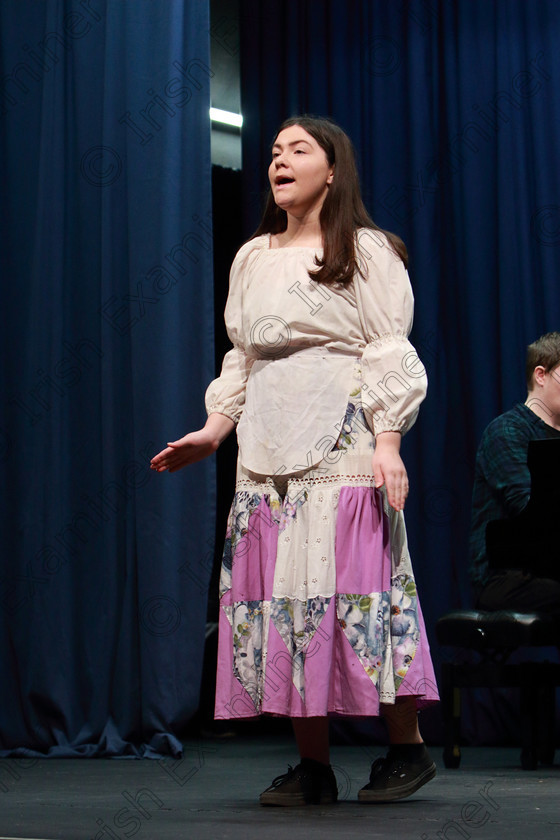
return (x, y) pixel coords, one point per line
(492, 637)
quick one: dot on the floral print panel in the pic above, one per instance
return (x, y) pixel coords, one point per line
(377, 623)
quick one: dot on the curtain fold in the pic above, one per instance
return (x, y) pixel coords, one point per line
(107, 345)
(454, 111)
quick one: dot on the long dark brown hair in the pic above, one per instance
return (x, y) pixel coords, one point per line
(343, 210)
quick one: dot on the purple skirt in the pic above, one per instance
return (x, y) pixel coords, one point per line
(319, 613)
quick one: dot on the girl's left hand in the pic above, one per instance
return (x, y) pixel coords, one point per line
(389, 470)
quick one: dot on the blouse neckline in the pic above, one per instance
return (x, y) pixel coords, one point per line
(291, 247)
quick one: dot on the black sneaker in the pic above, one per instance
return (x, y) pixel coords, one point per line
(397, 776)
(310, 783)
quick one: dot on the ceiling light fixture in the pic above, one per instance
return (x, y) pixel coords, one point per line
(226, 117)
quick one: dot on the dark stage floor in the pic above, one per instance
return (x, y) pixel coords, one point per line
(212, 794)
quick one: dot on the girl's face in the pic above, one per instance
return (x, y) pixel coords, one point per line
(299, 173)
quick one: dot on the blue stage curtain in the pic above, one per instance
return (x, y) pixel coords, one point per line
(107, 346)
(454, 109)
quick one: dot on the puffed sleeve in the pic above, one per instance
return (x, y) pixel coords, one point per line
(395, 381)
(226, 394)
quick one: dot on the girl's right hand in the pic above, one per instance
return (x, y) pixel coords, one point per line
(187, 450)
(193, 447)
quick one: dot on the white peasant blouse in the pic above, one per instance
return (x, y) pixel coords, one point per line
(286, 382)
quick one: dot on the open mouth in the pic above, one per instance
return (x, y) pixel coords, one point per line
(283, 180)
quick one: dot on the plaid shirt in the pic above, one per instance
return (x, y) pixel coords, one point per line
(502, 482)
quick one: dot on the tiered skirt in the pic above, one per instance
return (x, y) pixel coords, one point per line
(319, 612)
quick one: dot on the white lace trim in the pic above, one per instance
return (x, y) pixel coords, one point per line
(310, 480)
